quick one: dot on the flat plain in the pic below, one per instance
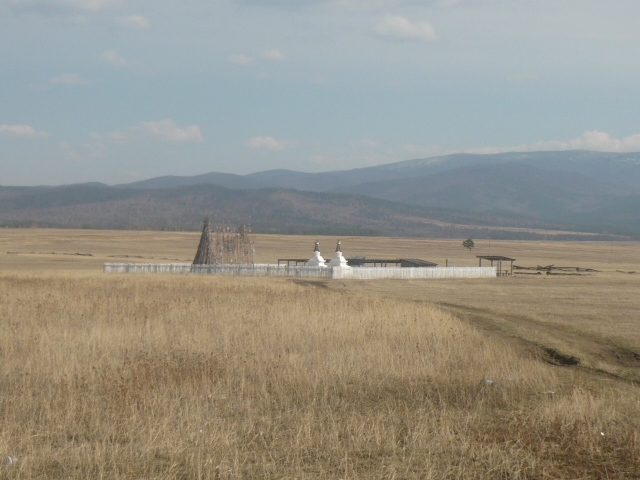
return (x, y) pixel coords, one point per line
(115, 376)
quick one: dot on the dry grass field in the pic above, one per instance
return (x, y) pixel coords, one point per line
(44, 249)
(110, 376)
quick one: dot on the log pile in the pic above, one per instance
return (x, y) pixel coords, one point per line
(553, 270)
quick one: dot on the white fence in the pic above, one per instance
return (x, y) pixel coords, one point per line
(262, 270)
(268, 270)
(255, 270)
(147, 268)
(370, 273)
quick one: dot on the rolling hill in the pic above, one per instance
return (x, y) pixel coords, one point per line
(268, 210)
(619, 168)
(577, 190)
(515, 188)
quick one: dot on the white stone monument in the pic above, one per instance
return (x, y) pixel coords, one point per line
(338, 259)
(316, 260)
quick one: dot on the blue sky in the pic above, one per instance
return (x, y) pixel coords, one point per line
(116, 91)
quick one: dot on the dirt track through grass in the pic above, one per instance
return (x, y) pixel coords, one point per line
(610, 358)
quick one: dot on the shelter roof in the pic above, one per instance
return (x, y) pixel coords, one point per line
(415, 261)
(495, 257)
(419, 262)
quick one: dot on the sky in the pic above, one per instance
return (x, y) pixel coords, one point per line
(116, 91)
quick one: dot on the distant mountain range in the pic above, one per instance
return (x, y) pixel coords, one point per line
(505, 195)
(619, 168)
(516, 188)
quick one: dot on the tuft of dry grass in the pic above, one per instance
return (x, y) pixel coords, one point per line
(209, 377)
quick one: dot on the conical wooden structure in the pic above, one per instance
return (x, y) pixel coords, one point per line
(204, 255)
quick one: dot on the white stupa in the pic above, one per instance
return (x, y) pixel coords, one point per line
(338, 259)
(316, 260)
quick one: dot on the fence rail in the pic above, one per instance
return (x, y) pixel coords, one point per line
(270, 270)
(370, 273)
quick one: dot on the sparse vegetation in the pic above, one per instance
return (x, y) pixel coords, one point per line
(206, 377)
(193, 377)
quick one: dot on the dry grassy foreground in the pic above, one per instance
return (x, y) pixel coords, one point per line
(208, 377)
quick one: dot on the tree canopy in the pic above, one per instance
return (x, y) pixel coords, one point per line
(468, 243)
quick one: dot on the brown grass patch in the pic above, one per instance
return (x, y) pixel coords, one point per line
(204, 377)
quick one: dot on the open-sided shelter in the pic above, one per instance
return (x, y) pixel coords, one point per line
(498, 259)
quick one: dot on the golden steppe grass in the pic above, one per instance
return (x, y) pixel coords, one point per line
(210, 377)
(203, 377)
(44, 249)
(595, 318)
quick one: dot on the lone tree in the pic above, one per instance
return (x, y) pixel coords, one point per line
(468, 243)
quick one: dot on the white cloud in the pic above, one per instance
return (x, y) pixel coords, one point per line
(133, 22)
(243, 60)
(118, 136)
(168, 131)
(275, 55)
(58, 6)
(596, 140)
(399, 28)
(591, 140)
(68, 79)
(165, 130)
(267, 143)
(70, 152)
(98, 144)
(22, 131)
(114, 58)
(90, 150)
